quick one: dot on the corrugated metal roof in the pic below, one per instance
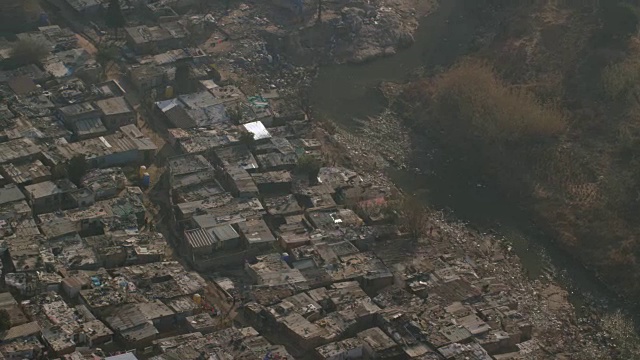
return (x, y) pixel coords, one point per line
(15, 149)
(166, 105)
(199, 238)
(90, 126)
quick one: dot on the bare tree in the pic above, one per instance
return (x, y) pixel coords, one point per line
(29, 51)
(107, 56)
(300, 93)
(5, 320)
(310, 166)
(412, 217)
(114, 18)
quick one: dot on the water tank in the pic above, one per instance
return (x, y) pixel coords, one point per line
(143, 169)
(197, 299)
(146, 179)
(168, 92)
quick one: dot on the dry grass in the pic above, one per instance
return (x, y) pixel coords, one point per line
(471, 98)
(619, 79)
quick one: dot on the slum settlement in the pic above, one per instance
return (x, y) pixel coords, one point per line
(150, 208)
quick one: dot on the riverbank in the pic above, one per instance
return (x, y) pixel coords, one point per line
(557, 329)
(361, 125)
(574, 194)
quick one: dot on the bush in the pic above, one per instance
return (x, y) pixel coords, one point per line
(620, 20)
(77, 168)
(412, 216)
(619, 79)
(310, 166)
(25, 52)
(469, 102)
(5, 320)
(248, 139)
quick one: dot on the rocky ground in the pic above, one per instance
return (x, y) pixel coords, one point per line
(269, 32)
(353, 31)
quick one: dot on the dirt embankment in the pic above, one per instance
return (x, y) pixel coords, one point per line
(351, 32)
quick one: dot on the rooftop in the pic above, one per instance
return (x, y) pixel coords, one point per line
(114, 106)
(376, 339)
(144, 34)
(126, 356)
(199, 238)
(14, 150)
(238, 155)
(201, 321)
(49, 188)
(21, 331)
(78, 109)
(10, 193)
(89, 127)
(256, 231)
(258, 130)
(340, 349)
(186, 164)
(27, 172)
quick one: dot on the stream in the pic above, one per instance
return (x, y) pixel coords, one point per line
(346, 94)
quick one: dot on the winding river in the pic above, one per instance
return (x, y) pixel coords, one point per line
(348, 93)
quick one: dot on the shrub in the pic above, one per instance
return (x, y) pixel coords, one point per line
(29, 51)
(469, 102)
(310, 166)
(619, 79)
(620, 19)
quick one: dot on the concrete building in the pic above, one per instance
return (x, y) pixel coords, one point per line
(148, 76)
(85, 7)
(10, 193)
(15, 151)
(116, 112)
(377, 345)
(202, 323)
(104, 183)
(89, 128)
(154, 39)
(256, 233)
(26, 173)
(199, 109)
(351, 348)
(82, 111)
(126, 147)
(49, 196)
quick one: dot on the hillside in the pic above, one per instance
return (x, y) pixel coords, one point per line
(547, 109)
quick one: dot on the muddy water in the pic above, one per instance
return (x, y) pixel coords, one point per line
(345, 92)
(347, 95)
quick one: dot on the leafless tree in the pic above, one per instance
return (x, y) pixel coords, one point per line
(412, 216)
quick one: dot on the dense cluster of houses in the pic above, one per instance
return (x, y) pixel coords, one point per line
(85, 275)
